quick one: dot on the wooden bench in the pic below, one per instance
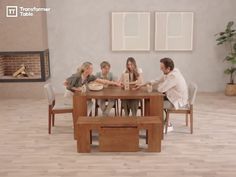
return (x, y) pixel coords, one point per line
(119, 134)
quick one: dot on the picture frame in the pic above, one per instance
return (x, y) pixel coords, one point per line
(174, 31)
(130, 31)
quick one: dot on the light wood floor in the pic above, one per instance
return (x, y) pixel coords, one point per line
(26, 150)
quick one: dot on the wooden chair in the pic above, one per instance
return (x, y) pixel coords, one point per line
(140, 107)
(116, 107)
(54, 107)
(192, 90)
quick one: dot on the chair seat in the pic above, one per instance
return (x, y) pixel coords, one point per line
(187, 110)
(180, 110)
(55, 107)
(62, 106)
(186, 107)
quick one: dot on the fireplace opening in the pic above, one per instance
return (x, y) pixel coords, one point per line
(32, 66)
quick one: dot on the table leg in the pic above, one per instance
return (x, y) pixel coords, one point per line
(146, 107)
(156, 109)
(146, 113)
(79, 109)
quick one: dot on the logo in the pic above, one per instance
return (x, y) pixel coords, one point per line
(11, 11)
(15, 11)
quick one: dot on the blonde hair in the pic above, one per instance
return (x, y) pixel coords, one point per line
(83, 67)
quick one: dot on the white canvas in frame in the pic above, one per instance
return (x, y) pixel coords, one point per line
(130, 31)
(174, 31)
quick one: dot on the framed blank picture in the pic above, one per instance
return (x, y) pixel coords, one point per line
(130, 31)
(174, 31)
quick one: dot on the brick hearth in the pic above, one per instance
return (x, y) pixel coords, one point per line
(36, 63)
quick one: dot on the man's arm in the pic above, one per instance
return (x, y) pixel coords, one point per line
(157, 81)
(154, 82)
(167, 84)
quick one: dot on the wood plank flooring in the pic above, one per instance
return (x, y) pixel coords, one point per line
(26, 150)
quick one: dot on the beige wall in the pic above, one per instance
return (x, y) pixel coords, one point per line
(23, 33)
(79, 30)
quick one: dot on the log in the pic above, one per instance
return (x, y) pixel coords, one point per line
(19, 71)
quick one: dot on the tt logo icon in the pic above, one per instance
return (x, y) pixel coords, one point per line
(11, 11)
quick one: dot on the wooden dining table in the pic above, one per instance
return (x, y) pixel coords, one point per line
(153, 101)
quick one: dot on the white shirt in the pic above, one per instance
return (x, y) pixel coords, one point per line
(175, 87)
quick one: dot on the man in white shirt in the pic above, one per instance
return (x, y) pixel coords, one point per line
(173, 84)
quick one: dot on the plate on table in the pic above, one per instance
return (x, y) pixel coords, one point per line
(95, 86)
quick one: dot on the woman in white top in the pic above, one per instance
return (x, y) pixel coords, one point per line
(135, 77)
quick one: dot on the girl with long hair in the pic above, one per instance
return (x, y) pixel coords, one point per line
(135, 77)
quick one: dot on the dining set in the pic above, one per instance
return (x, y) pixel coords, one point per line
(118, 133)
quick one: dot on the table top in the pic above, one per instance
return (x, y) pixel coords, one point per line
(117, 92)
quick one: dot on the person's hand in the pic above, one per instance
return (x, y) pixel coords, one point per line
(122, 85)
(65, 83)
(137, 87)
(118, 84)
(134, 82)
(77, 89)
(148, 83)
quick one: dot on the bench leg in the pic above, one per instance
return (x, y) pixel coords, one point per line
(83, 141)
(154, 138)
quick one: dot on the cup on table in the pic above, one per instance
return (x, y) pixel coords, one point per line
(105, 85)
(149, 88)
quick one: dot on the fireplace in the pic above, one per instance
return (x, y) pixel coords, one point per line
(32, 66)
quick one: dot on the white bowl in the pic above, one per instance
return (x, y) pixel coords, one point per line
(95, 86)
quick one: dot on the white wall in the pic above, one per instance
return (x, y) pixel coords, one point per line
(79, 30)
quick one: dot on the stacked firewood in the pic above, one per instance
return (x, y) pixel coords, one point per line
(22, 72)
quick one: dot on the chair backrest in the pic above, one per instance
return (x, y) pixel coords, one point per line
(50, 93)
(192, 92)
